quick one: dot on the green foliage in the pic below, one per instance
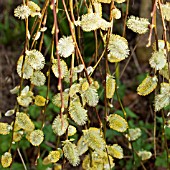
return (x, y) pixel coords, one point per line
(160, 160)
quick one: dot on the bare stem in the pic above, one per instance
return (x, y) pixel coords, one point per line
(57, 55)
(153, 14)
(74, 39)
(19, 153)
(126, 15)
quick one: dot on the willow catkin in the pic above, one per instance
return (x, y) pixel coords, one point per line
(110, 86)
(147, 85)
(71, 153)
(118, 123)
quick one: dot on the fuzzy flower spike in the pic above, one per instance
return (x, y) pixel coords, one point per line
(34, 8)
(66, 46)
(35, 59)
(138, 25)
(22, 12)
(118, 47)
(166, 11)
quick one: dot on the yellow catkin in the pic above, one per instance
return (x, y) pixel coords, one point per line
(115, 151)
(6, 159)
(24, 122)
(4, 128)
(71, 153)
(36, 137)
(60, 125)
(54, 156)
(40, 100)
(71, 130)
(85, 86)
(110, 86)
(116, 122)
(147, 85)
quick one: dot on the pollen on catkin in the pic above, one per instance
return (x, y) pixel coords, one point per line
(24, 122)
(82, 146)
(84, 86)
(118, 123)
(66, 46)
(163, 99)
(36, 137)
(26, 97)
(27, 71)
(74, 75)
(116, 13)
(5, 128)
(110, 86)
(161, 45)
(71, 130)
(40, 100)
(166, 10)
(147, 85)
(158, 60)
(22, 12)
(134, 133)
(17, 136)
(97, 8)
(35, 59)
(63, 67)
(60, 125)
(138, 25)
(93, 21)
(78, 113)
(118, 47)
(54, 156)
(38, 78)
(6, 159)
(91, 96)
(144, 155)
(71, 153)
(115, 151)
(24, 100)
(98, 161)
(94, 139)
(75, 88)
(34, 9)
(165, 71)
(56, 100)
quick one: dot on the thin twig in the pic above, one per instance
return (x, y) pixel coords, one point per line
(165, 140)
(132, 53)
(19, 153)
(74, 39)
(44, 9)
(153, 15)
(58, 57)
(164, 36)
(126, 15)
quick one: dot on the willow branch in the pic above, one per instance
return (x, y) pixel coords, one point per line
(58, 57)
(74, 39)
(153, 15)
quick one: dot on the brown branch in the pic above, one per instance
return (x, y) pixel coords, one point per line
(153, 15)
(126, 15)
(58, 57)
(164, 35)
(74, 39)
